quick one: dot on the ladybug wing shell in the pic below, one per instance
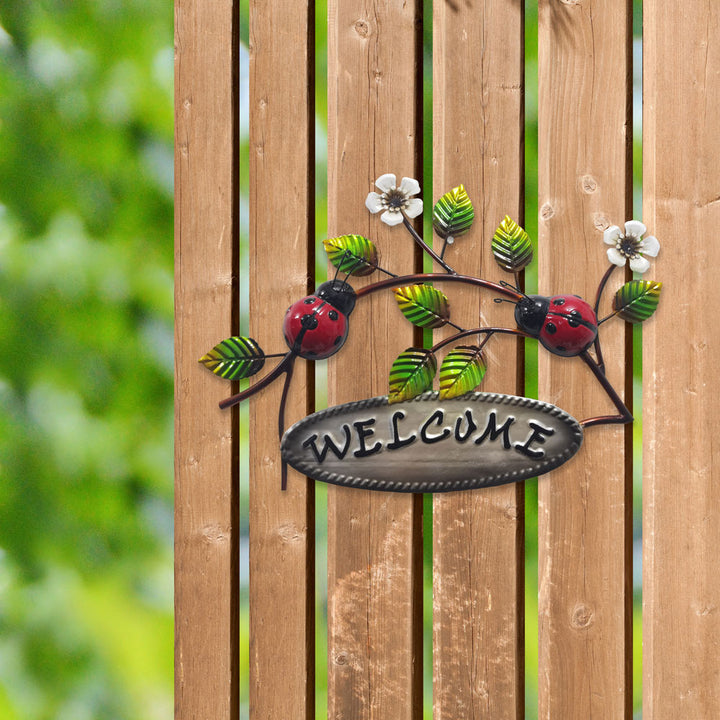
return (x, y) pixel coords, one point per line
(314, 329)
(570, 326)
(329, 335)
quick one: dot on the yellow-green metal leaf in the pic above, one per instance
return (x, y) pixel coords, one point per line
(637, 300)
(411, 374)
(511, 246)
(423, 305)
(352, 254)
(462, 370)
(453, 213)
(235, 358)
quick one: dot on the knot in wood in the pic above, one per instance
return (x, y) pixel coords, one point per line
(547, 211)
(588, 184)
(600, 222)
(582, 617)
(362, 28)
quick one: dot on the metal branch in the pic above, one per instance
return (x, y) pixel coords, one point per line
(283, 366)
(479, 331)
(426, 247)
(625, 415)
(436, 277)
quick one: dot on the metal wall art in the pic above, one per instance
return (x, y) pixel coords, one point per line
(415, 439)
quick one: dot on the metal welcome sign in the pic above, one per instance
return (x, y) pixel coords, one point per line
(415, 439)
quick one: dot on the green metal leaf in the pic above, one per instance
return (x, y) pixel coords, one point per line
(352, 254)
(462, 370)
(411, 374)
(511, 246)
(453, 213)
(423, 305)
(637, 300)
(235, 358)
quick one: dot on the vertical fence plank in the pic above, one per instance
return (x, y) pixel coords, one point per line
(374, 539)
(282, 157)
(478, 536)
(584, 507)
(681, 527)
(206, 543)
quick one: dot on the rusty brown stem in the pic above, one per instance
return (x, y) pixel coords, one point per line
(625, 415)
(601, 286)
(436, 277)
(426, 247)
(479, 331)
(285, 365)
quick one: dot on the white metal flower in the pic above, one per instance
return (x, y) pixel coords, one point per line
(395, 201)
(631, 245)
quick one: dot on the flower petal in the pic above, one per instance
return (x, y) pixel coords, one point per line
(639, 264)
(386, 182)
(374, 203)
(635, 228)
(392, 217)
(616, 257)
(650, 246)
(611, 235)
(409, 186)
(413, 207)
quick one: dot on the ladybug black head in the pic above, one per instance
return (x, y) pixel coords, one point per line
(339, 294)
(530, 313)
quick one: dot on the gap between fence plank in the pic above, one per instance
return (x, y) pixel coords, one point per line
(282, 524)
(206, 443)
(681, 482)
(478, 536)
(585, 507)
(374, 538)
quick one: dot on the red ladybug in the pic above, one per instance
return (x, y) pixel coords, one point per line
(565, 324)
(316, 326)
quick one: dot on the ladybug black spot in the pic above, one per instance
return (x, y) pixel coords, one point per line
(338, 340)
(550, 328)
(561, 348)
(574, 318)
(559, 301)
(309, 321)
(333, 315)
(309, 300)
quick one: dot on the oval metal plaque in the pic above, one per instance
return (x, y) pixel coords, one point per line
(428, 445)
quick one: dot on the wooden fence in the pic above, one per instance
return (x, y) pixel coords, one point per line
(375, 545)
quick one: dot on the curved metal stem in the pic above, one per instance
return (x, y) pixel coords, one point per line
(625, 415)
(436, 277)
(479, 331)
(426, 247)
(279, 369)
(603, 283)
(281, 420)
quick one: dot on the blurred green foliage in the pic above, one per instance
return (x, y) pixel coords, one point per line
(86, 310)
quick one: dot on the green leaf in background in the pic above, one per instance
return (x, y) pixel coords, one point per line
(511, 246)
(411, 374)
(423, 305)
(462, 370)
(352, 254)
(235, 358)
(637, 300)
(453, 214)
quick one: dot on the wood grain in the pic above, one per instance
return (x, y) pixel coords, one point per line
(282, 524)
(681, 482)
(478, 569)
(374, 539)
(206, 231)
(584, 507)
